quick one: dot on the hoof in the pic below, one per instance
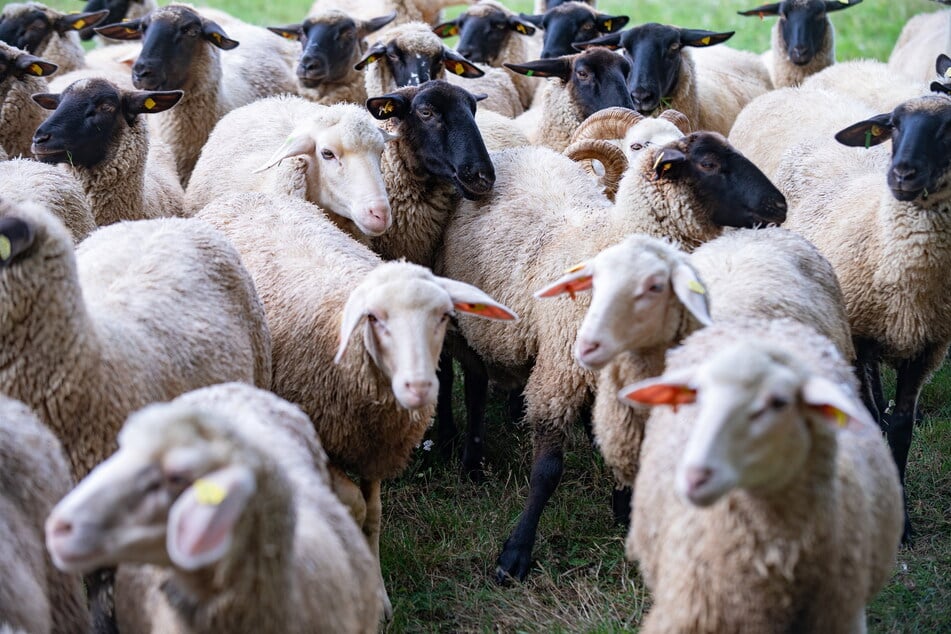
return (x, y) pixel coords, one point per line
(513, 563)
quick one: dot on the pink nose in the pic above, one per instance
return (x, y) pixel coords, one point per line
(419, 389)
(59, 527)
(697, 477)
(378, 215)
(588, 348)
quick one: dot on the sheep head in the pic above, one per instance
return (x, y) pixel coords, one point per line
(803, 25)
(572, 22)
(19, 65)
(483, 31)
(29, 26)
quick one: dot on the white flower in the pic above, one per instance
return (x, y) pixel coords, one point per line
(427, 445)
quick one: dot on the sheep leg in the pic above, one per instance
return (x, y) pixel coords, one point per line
(476, 392)
(911, 376)
(349, 494)
(445, 424)
(516, 406)
(866, 367)
(371, 530)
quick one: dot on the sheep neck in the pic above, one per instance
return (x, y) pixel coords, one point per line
(19, 116)
(251, 590)
(685, 98)
(115, 187)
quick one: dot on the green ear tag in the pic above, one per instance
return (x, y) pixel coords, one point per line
(868, 139)
(529, 73)
(5, 248)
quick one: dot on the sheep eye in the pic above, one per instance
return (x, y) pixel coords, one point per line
(674, 47)
(191, 31)
(778, 403)
(177, 480)
(445, 317)
(327, 155)
(582, 74)
(425, 113)
(393, 57)
(637, 147)
(656, 288)
(372, 318)
(500, 26)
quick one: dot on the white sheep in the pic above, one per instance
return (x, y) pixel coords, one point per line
(226, 493)
(426, 11)
(868, 81)
(922, 39)
(524, 230)
(766, 493)
(888, 240)
(328, 155)
(802, 40)
(47, 32)
(34, 475)
(322, 290)
(19, 118)
(23, 180)
(83, 342)
(126, 176)
(214, 82)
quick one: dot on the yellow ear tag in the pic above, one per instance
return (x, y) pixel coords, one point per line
(386, 108)
(696, 287)
(459, 69)
(5, 248)
(577, 267)
(209, 493)
(876, 131)
(289, 36)
(521, 29)
(947, 73)
(37, 70)
(705, 41)
(78, 24)
(216, 37)
(607, 25)
(844, 1)
(149, 103)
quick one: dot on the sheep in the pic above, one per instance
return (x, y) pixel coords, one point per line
(922, 39)
(34, 475)
(328, 155)
(499, 132)
(581, 84)
(766, 273)
(23, 180)
(375, 407)
(868, 81)
(768, 498)
(803, 39)
(47, 33)
(496, 88)
(214, 83)
(710, 89)
(888, 242)
(332, 43)
(437, 157)
(570, 23)
(96, 133)
(84, 347)
(687, 190)
(489, 33)
(119, 10)
(242, 535)
(23, 74)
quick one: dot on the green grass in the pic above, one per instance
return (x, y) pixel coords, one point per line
(441, 534)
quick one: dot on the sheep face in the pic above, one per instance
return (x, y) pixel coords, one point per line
(86, 118)
(437, 120)
(755, 414)
(415, 56)
(640, 288)
(483, 31)
(595, 79)
(330, 43)
(803, 25)
(656, 54)
(571, 22)
(17, 65)
(117, 11)
(172, 37)
(176, 471)
(405, 310)
(921, 147)
(29, 26)
(725, 186)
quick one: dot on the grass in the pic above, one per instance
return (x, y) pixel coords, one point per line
(442, 534)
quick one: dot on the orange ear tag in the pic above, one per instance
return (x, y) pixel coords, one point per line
(841, 418)
(484, 310)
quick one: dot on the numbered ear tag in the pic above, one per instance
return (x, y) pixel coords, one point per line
(529, 73)
(216, 37)
(520, 28)
(386, 108)
(607, 25)
(458, 68)
(78, 24)
(209, 493)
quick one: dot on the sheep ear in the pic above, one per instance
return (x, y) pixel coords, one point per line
(942, 66)
(353, 314)
(611, 41)
(520, 26)
(575, 280)
(27, 64)
(46, 100)
(699, 37)
(691, 292)
(610, 23)
(217, 36)
(446, 29)
(937, 86)
(300, 141)
(838, 5)
(473, 301)
(16, 236)
(201, 521)
(131, 30)
(554, 67)
(79, 21)
(456, 63)
(387, 106)
(832, 402)
(535, 19)
(374, 54)
(867, 133)
(290, 32)
(150, 102)
(668, 162)
(375, 24)
(761, 11)
(663, 390)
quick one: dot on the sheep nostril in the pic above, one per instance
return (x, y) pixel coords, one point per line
(698, 476)
(39, 138)
(589, 348)
(61, 528)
